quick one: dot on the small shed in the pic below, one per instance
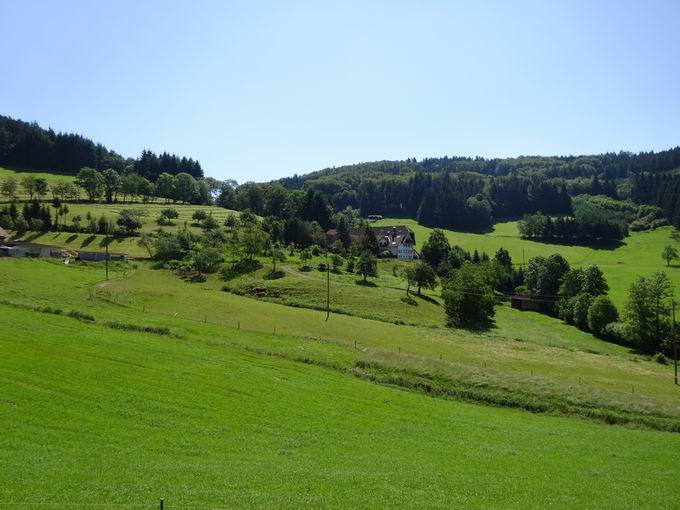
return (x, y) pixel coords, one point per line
(96, 256)
(13, 251)
(526, 303)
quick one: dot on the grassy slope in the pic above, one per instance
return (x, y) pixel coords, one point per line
(93, 416)
(51, 178)
(557, 355)
(640, 253)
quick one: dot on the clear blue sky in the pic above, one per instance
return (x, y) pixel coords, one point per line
(260, 90)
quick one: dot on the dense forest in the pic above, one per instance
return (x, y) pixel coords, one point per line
(451, 192)
(472, 193)
(27, 145)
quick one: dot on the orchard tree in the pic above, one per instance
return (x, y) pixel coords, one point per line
(336, 261)
(41, 187)
(9, 187)
(422, 275)
(91, 181)
(367, 265)
(277, 255)
(305, 257)
(129, 221)
(669, 254)
(28, 183)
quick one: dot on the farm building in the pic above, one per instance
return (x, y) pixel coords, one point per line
(96, 256)
(526, 303)
(23, 249)
(397, 240)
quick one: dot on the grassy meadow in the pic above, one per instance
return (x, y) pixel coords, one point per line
(101, 418)
(528, 360)
(51, 178)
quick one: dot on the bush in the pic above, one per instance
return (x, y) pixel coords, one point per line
(661, 358)
(85, 317)
(617, 332)
(350, 265)
(468, 298)
(601, 313)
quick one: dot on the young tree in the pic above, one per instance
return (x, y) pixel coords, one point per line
(423, 275)
(28, 183)
(111, 184)
(503, 258)
(669, 254)
(601, 312)
(129, 221)
(207, 260)
(9, 187)
(231, 222)
(277, 255)
(468, 297)
(253, 240)
(305, 257)
(209, 223)
(336, 262)
(41, 187)
(368, 265)
(199, 216)
(234, 246)
(91, 181)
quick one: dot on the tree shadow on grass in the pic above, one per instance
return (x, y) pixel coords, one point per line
(87, 241)
(71, 238)
(482, 327)
(426, 298)
(366, 283)
(274, 275)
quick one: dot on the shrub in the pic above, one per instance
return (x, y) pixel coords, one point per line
(617, 332)
(601, 313)
(468, 297)
(661, 358)
(85, 317)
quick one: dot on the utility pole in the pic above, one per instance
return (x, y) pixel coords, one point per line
(328, 288)
(675, 346)
(106, 242)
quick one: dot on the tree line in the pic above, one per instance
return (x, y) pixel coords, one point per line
(27, 145)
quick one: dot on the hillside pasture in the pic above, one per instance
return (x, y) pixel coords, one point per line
(529, 361)
(639, 254)
(107, 418)
(51, 178)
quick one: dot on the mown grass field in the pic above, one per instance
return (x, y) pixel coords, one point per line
(51, 178)
(638, 255)
(100, 418)
(528, 361)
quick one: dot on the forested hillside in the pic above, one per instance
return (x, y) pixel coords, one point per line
(27, 145)
(471, 193)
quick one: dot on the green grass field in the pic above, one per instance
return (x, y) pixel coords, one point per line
(529, 360)
(100, 418)
(639, 254)
(51, 178)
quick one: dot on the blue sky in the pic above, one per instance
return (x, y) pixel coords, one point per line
(260, 90)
